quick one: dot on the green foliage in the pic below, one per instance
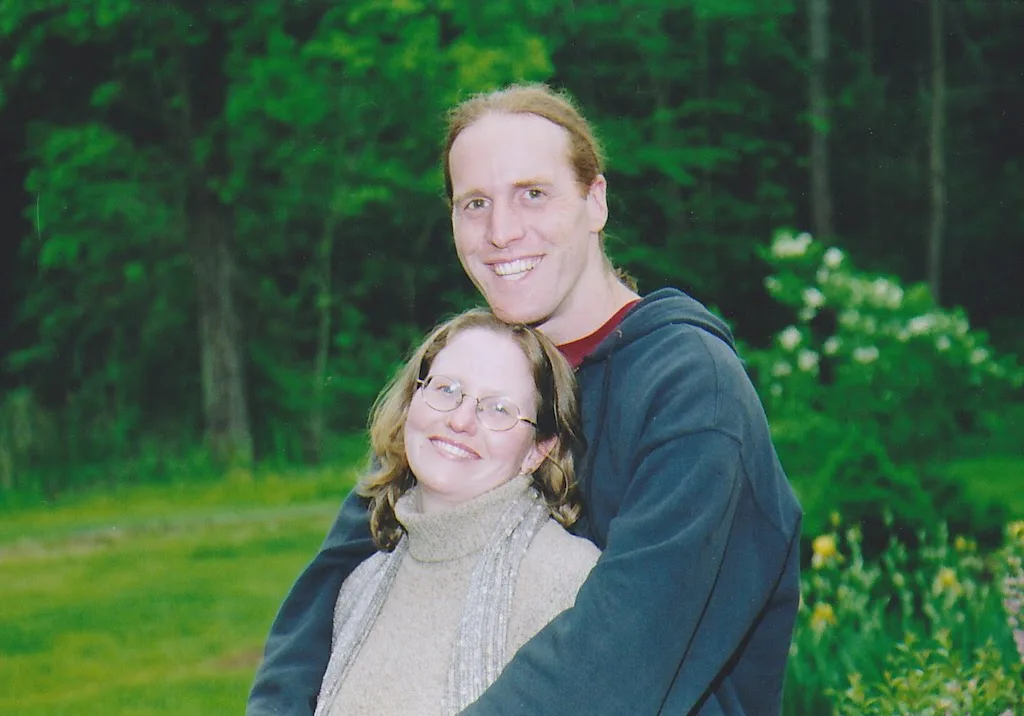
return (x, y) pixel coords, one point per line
(282, 158)
(913, 628)
(697, 149)
(871, 385)
(930, 677)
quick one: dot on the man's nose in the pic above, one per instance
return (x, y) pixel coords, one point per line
(463, 418)
(506, 224)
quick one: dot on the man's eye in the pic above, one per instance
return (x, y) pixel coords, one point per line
(534, 194)
(474, 204)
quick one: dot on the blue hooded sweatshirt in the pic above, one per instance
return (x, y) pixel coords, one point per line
(690, 609)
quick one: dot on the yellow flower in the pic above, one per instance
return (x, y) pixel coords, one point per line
(960, 543)
(1016, 529)
(946, 582)
(825, 550)
(834, 518)
(822, 616)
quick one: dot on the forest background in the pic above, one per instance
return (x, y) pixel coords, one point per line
(223, 225)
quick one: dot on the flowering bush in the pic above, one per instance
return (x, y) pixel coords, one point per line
(924, 630)
(871, 383)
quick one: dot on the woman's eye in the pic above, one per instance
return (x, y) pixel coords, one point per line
(534, 194)
(475, 204)
(502, 408)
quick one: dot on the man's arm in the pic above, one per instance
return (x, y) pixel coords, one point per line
(700, 529)
(299, 644)
(618, 649)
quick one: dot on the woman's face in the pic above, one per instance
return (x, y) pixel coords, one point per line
(452, 455)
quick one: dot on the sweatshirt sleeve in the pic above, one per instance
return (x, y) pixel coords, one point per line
(299, 645)
(689, 565)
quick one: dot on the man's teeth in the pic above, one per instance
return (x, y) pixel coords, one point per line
(452, 450)
(515, 268)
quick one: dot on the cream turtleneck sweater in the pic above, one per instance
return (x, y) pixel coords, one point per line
(402, 666)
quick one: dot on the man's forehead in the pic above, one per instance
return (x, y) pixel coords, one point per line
(512, 148)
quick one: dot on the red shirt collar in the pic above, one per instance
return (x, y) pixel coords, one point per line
(575, 351)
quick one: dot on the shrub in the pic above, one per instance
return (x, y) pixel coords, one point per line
(954, 657)
(870, 385)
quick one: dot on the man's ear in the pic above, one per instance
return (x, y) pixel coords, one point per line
(597, 203)
(538, 453)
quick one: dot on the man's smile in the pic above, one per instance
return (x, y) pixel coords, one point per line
(515, 269)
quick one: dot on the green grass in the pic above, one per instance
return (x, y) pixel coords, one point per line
(157, 599)
(154, 600)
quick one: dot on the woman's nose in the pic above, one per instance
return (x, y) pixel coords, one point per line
(463, 418)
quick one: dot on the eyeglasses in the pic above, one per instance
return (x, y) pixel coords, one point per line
(495, 412)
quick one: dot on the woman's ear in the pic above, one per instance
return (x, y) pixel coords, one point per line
(538, 453)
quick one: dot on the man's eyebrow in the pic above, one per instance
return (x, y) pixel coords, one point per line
(466, 194)
(526, 183)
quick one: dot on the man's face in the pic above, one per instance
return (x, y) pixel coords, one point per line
(526, 233)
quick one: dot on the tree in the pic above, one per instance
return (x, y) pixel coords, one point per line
(154, 109)
(936, 148)
(821, 191)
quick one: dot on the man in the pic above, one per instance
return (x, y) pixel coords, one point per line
(690, 608)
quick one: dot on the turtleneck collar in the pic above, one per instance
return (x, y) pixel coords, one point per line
(458, 531)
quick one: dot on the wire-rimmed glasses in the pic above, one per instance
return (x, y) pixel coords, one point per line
(495, 412)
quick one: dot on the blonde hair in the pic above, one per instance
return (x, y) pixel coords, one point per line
(557, 416)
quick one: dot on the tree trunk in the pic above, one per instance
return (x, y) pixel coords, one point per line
(821, 191)
(937, 154)
(871, 105)
(325, 254)
(222, 368)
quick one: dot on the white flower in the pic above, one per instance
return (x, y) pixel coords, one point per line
(786, 246)
(790, 338)
(886, 293)
(943, 343)
(772, 284)
(869, 325)
(919, 325)
(831, 346)
(776, 390)
(807, 361)
(822, 276)
(858, 292)
(978, 356)
(895, 297)
(781, 369)
(865, 354)
(849, 319)
(813, 298)
(832, 258)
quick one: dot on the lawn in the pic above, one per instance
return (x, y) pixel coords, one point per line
(157, 599)
(154, 600)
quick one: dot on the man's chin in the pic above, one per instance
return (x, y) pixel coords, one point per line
(519, 314)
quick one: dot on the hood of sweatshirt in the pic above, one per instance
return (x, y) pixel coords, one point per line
(663, 307)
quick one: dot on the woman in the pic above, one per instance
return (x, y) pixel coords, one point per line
(474, 481)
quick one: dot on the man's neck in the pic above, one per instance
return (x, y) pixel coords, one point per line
(601, 305)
